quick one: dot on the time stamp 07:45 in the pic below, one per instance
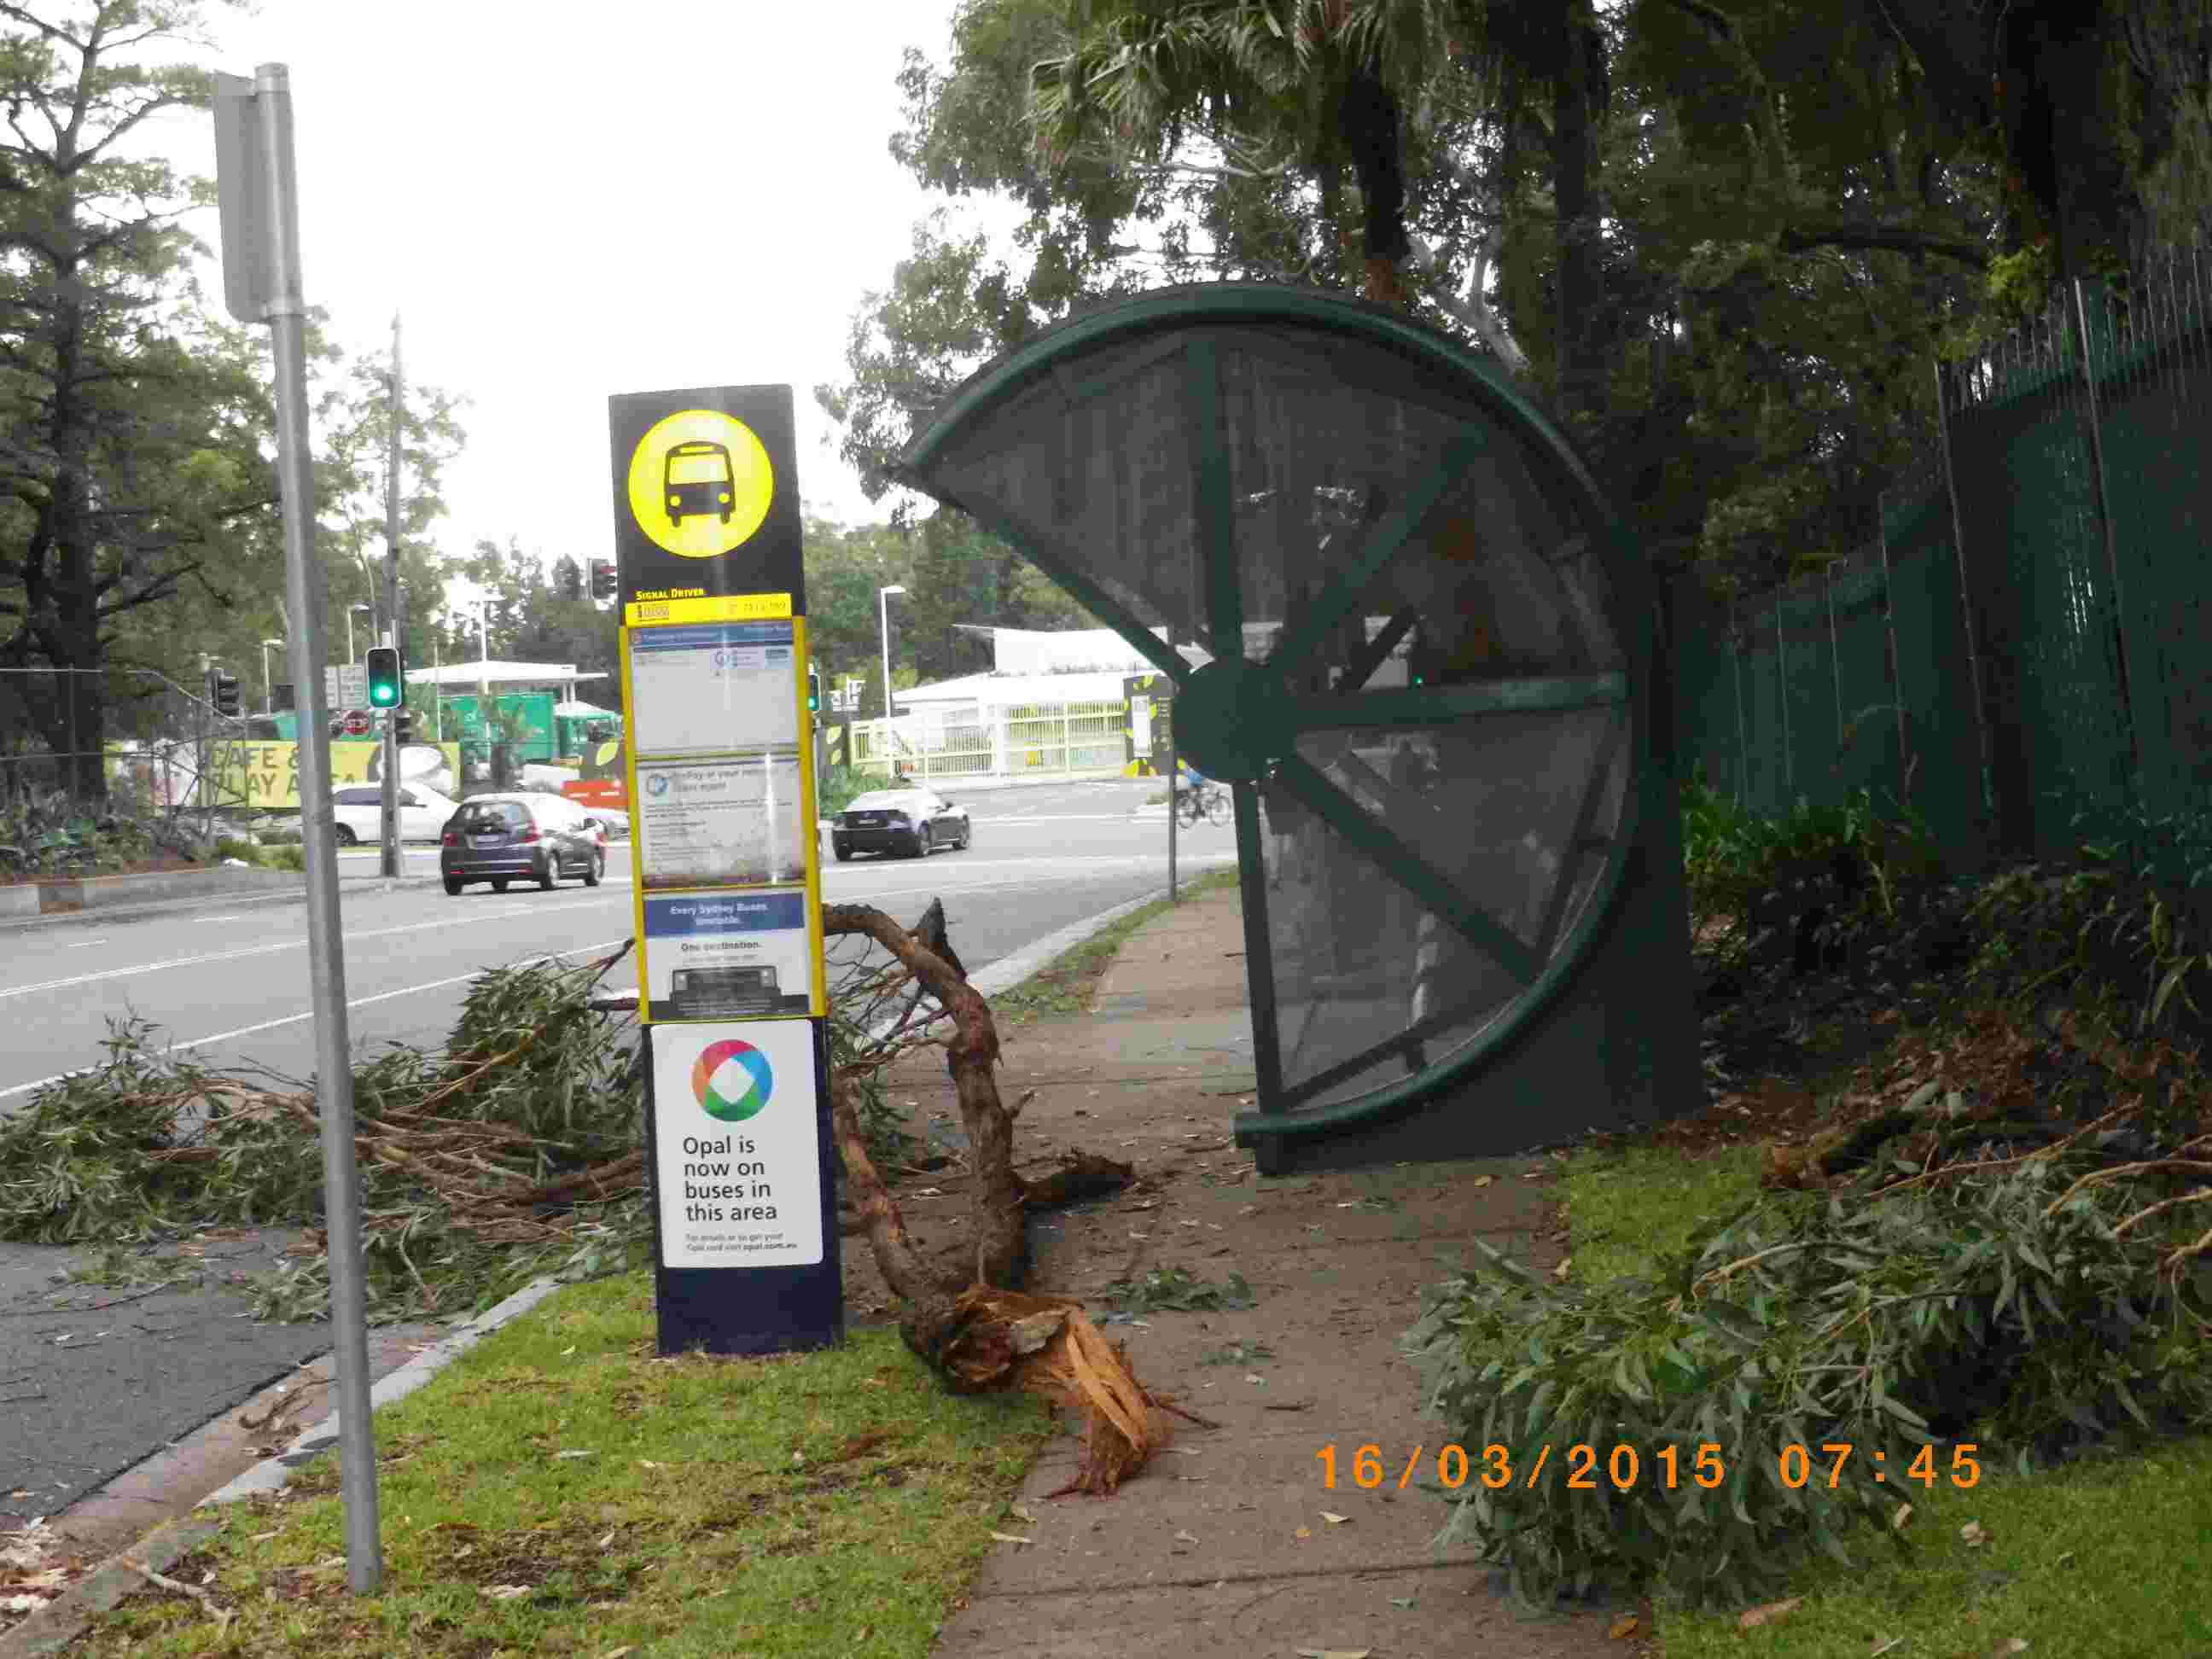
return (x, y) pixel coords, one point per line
(1583, 1467)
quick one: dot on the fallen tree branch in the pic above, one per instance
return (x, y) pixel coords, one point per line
(970, 1052)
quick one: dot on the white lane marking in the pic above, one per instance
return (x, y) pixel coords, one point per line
(1064, 818)
(84, 944)
(253, 950)
(233, 916)
(356, 1002)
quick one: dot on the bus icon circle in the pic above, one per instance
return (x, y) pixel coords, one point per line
(700, 484)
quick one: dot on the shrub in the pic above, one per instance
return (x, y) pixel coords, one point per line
(2006, 1312)
(842, 784)
(1732, 856)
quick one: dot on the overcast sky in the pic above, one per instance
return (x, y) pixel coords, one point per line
(566, 202)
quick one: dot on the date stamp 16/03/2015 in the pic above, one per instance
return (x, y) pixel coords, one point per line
(1587, 1468)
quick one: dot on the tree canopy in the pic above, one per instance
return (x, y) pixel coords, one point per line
(1721, 241)
(139, 520)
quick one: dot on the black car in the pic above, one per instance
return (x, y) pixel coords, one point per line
(503, 838)
(910, 821)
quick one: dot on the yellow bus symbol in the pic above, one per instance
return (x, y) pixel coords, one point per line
(700, 484)
(698, 478)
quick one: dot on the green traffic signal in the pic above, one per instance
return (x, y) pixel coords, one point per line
(384, 676)
(813, 691)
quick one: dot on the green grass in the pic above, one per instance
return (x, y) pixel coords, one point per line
(1064, 986)
(1629, 1206)
(2105, 1557)
(720, 1507)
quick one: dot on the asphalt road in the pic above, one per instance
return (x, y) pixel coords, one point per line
(88, 1390)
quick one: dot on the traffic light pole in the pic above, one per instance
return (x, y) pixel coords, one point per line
(394, 632)
(388, 807)
(203, 785)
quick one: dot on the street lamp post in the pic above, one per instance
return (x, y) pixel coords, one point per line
(883, 627)
(268, 692)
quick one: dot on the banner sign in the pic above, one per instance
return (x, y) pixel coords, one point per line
(719, 763)
(267, 775)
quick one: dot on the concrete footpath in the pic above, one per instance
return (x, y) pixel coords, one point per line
(1233, 1541)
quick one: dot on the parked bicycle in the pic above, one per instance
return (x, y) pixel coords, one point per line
(1200, 798)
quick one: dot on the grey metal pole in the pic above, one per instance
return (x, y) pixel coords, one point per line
(1175, 776)
(1974, 671)
(388, 825)
(205, 752)
(287, 316)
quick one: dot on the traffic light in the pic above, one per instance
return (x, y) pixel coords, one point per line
(403, 726)
(222, 692)
(603, 579)
(813, 691)
(572, 580)
(384, 676)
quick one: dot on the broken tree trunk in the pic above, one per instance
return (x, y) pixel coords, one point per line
(976, 1335)
(970, 1053)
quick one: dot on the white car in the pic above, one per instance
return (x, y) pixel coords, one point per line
(359, 809)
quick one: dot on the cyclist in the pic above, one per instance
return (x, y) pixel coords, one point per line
(1197, 795)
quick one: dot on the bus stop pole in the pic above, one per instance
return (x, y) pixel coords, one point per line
(286, 317)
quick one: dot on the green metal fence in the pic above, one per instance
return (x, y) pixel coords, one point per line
(2022, 654)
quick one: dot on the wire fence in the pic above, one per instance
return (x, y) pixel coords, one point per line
(2020, 655)
(160, 748)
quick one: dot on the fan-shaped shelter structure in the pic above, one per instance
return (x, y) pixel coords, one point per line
(1432, 685)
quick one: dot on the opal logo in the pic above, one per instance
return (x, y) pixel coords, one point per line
(656, 784)
(732, 1080)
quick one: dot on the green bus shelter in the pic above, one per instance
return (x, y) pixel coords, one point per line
(1399, 619)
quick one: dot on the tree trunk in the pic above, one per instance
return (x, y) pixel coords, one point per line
(1581, 367)
(976, 1335)
(970, 1053)
(1367, 119)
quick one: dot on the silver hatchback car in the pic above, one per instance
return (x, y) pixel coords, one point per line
(520, 837)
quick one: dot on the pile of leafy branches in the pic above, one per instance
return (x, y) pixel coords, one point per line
(2018, 1306)
(513, 1154)
(2109, 930)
